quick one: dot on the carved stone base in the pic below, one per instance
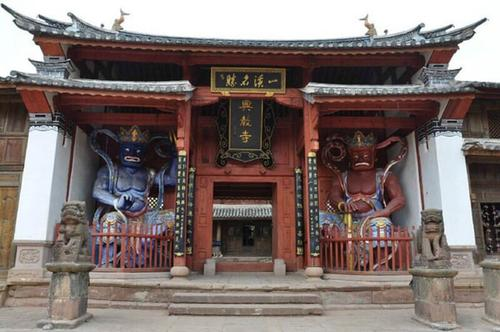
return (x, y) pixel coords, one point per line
(462, 257)
(179, 271)
(491, 278)
(434, 297)
(313, 272)
(48, 324)
(68, 295)
(31, 257)
(437, 326)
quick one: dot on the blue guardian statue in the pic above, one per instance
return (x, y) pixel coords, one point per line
(122, 188)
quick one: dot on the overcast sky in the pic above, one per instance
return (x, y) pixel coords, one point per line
(268, 19)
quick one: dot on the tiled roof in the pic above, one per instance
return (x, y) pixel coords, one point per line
(320, 89)
(481, 144)
(485, 85)
(79, 29)
(171, 87)
(242, 211)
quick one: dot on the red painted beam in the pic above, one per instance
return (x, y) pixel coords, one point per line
(457, 108)
(338, 122)
(203, 96)
(78, 53)
(35, 101)
(68, 100)
(441, 56)
(380, 105)
(125, 119)
(51, 49)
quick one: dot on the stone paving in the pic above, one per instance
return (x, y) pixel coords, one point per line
(24, 319)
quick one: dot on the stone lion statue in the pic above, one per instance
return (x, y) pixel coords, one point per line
(72, 241)
(432, 247)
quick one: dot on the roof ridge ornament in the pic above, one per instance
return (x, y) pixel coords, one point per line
(55, 67)
(117, 25)
(438, 75)
(372, 32)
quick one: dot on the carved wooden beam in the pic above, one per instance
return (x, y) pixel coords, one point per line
(124, 119)
(372, 122)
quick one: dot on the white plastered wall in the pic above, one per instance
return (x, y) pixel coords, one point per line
(44, 183)
(446, 185)
(83, 171)
(407, 173)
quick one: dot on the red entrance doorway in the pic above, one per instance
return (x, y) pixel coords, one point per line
(242, 226)
(278, 192)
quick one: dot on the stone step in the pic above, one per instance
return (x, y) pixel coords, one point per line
(247, 298)
(210, 309)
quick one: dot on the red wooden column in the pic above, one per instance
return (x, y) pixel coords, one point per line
(311, 147)
(180, 268)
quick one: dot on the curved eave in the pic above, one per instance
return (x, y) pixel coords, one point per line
(178, 90)
(321, 93)
(79, 31)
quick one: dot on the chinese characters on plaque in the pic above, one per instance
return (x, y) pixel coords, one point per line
(245, 124)
(245, 127)
(248, 80)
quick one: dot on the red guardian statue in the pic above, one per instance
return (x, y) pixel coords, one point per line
(368, 194)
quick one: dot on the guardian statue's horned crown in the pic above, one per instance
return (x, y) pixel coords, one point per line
(359, 140)
(133, 135)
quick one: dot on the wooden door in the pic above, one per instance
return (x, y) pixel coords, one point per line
(13, 140)
(8, 207)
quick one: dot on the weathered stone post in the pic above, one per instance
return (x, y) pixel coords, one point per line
(68, 292)
(491, 281)
(432, 281)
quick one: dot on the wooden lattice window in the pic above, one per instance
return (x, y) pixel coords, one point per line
(494, 124)
(490, 218)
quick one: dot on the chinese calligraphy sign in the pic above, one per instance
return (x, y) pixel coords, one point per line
(249, 80)
(245, 128)
(245, 124)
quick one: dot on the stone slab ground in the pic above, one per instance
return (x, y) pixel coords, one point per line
(22, 319)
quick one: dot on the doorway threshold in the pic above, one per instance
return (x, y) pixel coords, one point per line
(255, 259)
(244, 264)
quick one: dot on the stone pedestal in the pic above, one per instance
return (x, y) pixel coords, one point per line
(209, 267)
(179, 271)
(313, 272)
(491, 277)
(279, 267)
(68, 295)
(434, 297)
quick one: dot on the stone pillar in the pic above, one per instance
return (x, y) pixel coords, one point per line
(491, 282)
(434, 297)
(84, 166)
(445, 186)
(68, 292)
(43, 192)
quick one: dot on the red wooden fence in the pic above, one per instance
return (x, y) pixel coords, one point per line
(366, 253)
(131, 248)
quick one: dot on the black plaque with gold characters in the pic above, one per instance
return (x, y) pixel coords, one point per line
(299, 212)
(248, 80)
(245, 128)
(312, 170)
(245, 124)
(190, 211)
(180, 204)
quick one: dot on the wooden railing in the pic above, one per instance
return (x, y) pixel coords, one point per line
(132, 248)
(343, 252)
